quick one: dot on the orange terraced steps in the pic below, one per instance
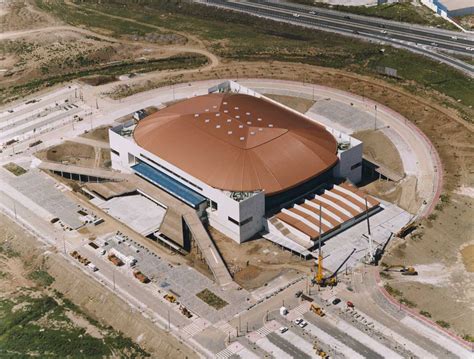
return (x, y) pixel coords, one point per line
(325, 216)
(298, 225)
(309, 218)
(370, 200)
(331, 208)
(351, 210)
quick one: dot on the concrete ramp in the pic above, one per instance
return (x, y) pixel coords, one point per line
(209, 251)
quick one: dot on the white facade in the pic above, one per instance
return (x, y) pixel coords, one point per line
(239, 220)
(238, 215)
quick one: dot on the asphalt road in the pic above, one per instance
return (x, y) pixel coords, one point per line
(287, 347)
(425, 41)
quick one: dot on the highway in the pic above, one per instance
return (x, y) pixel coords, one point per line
(422, 40)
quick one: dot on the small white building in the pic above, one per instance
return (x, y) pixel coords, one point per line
(234, 155)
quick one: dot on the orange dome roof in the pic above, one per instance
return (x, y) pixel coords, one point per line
(238, 142)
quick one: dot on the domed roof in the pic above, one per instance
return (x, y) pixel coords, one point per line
(238, 142)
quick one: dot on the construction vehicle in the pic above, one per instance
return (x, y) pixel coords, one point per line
(319, 279)
(170, 298)
(409, 271)
(185, 311)
(140, 276)
(317, 310)
(403, 270)
(115, 260)
(319, 351)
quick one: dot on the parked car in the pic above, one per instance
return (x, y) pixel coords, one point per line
(283, 330)
(298, 321)
(303, 324)
(336, 301)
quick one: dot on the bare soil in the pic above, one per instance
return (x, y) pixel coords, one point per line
(437, 250)
(256, 262)
(78, 154)
(379, 148)
(20, 14)
(296, 103)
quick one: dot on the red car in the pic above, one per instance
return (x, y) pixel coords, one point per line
(350, 304)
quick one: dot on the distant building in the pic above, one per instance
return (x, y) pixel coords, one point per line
(451, 8)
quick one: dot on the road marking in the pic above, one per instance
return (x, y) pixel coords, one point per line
(435, 336)
(333, 342)
(272, 349)
(365, 339)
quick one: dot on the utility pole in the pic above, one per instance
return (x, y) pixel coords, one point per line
(367, 215)
(375, 125)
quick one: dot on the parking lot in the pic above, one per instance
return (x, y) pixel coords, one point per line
(182, 281)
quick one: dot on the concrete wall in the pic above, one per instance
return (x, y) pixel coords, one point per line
(350, 164)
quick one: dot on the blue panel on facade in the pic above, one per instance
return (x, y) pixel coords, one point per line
(169, 184)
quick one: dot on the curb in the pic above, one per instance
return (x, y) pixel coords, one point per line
(392, 300)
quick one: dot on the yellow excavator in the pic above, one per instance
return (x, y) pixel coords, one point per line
(403, 270)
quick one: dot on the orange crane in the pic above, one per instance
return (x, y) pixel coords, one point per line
(319, 279)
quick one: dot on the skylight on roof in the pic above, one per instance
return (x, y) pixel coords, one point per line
(242, 138)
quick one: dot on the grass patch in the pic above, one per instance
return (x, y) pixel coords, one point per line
(385, 275)
(408, 303)
(468, 338)
(425, 313)
(184, 61)
(5, 249)
(39, 326)
(211, 299)
(41, 277)
(392, 291)
(14, 168)
(443, 324)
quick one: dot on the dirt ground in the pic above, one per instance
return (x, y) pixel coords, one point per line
(379, 148)
(299, 104)
(99, 134)
(256, 262)
(78, 154)
(19, 15)
(95, 300)
(441, 250)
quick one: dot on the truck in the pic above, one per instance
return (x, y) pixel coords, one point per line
(115, 260)
(170, 298)
(317, 310)
(185, 311)
(140, 276)
(92, 267)
(283, 311)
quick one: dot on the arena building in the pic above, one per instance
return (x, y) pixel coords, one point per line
(241, 159)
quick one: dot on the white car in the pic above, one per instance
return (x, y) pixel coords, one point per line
(303, 324)
(298, 321)
(283, 330)
(312, 13)
(296, 15)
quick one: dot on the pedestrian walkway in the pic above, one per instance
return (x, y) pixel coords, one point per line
(195, 327)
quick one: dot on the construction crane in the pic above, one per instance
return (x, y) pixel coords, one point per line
(319, 279)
